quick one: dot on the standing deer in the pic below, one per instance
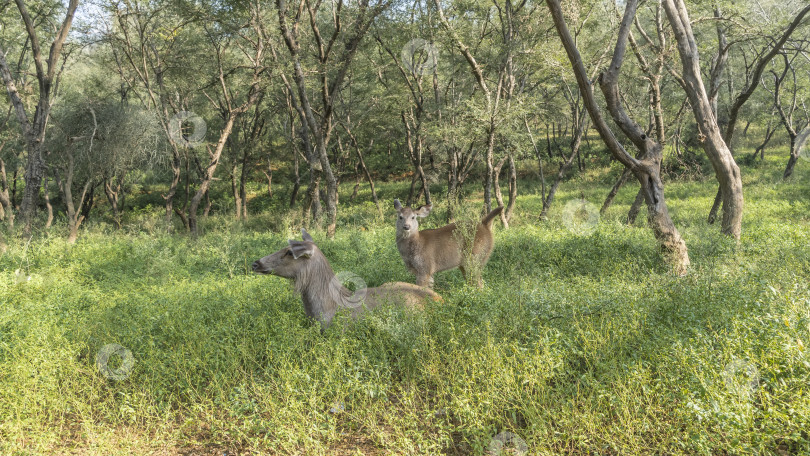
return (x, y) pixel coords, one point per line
(321, 290)
(427, 252)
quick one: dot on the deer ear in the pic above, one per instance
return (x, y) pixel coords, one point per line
(423, 211)
(305, 236)
(301, 249)
(397, 205)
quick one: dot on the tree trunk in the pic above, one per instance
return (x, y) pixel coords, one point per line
(506, 216)
(646, 169)
(496, 176)
(635, 208)
(48, 206)
(726, 169)
(237, 197)
(5, 201)
(169, 197)
(73, 211)
(209, 173)
(33, 132)
(112, 197)
(490, 169)
(538, 154)
(797, 143)
(296, 180)
(363, 167)
(615, 190)
(760, 150)
(575, 144)
(413, 139)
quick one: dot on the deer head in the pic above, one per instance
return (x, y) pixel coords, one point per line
(408, 219)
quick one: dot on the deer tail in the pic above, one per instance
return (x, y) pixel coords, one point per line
(487, 221)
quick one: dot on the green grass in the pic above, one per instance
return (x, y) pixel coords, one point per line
(577, 344)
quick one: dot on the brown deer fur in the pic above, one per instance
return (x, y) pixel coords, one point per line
(323, 294)
(427, 252)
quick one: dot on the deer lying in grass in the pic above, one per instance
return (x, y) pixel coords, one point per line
(427, 252)
(321, 290)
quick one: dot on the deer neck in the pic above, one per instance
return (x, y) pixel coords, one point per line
(408, 240)
(315, 286)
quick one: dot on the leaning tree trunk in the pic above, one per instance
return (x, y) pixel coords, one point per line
(725, 168)
(208, 174)
(645, 169)
(635, 208)
(615, 190)
(760, 150)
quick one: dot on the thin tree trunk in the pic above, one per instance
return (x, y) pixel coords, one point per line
(33, 131)
(615, 190)
(538, 154)
(726, 169)
(362, 163)
(496, 176)
(176, 166)
(510, 205)
(635, 208)
(575, 144)
(296, 180)
(243, 183)
(113, 198)
(48, 206)
(760, 150)
(645, 169)
(5, 200)
(797, 143)
(237, 198)
(268, 173)
(718, 201)
(209, 174)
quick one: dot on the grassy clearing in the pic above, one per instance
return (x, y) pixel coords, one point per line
(577, 344)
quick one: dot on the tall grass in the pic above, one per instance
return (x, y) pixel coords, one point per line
(578, 344)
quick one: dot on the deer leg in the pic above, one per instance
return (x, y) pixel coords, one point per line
(424, 280)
